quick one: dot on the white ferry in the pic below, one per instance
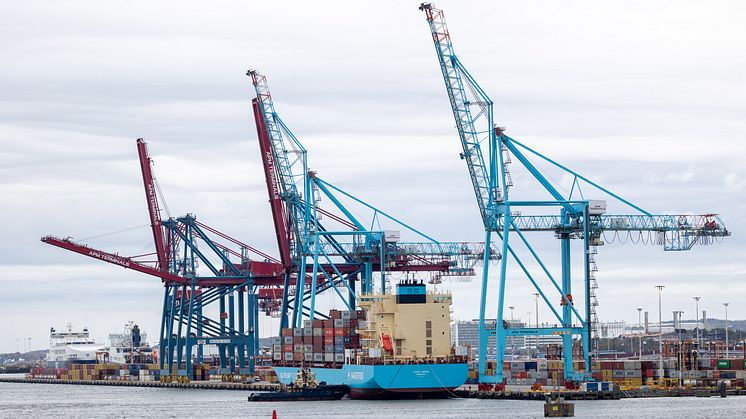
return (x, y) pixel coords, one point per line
(71, 347)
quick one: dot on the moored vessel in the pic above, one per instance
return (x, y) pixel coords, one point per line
(71, 347)
(394, 346)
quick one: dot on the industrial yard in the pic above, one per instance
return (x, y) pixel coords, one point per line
(276, 240)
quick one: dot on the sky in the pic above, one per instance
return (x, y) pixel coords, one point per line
(646, 98)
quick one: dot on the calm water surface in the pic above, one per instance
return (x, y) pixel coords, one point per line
(72, 401)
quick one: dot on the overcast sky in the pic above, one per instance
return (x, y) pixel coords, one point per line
(645, 97)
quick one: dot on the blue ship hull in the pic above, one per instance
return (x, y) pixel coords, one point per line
(388, 381)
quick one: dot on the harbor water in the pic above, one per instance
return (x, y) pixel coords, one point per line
(23, 400)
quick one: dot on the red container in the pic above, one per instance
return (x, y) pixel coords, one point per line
(328, 323)
(328, 332)
(286, 331)
(318, 347)
(297, 356)
(339, 332)
(328, 340)
(288, 348)
(317, 323)
(318, 340)
(335, 314)
(297, 339)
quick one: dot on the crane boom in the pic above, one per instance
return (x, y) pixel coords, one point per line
(279, 211)
(474, 126)
(115, 259)
(161, 247)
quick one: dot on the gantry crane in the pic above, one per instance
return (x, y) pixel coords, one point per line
(340, 249)
(488, 152)
(220, 308)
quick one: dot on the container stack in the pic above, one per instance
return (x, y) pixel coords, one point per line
(319, 342)
(621, 372)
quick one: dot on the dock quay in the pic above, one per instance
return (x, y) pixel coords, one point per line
(204, 385)
(597, 395)
(461, 393)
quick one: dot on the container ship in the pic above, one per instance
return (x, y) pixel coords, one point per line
(393, 346)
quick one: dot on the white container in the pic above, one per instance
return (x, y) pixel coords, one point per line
(391, 236)
(596, 207)
(374, 352)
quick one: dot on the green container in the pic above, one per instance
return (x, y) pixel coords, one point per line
(744, 364)
(723, 364)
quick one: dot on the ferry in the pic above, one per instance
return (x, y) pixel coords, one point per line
(71, 347)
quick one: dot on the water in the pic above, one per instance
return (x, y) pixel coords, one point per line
(72, 401)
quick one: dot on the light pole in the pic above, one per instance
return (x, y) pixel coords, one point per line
(536, 296)
(680, 354)
(660, 333)
(727, 351)
(696, 312)
(639, 326)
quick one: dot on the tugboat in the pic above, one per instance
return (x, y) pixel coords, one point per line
(304, 388)
(558, 407)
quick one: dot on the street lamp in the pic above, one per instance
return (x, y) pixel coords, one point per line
(660, 333)
(536, 296)
(696, 312)
(639, 326)
(680, 356)
(727, 351)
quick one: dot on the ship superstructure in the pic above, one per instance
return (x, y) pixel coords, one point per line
(71, 347)
(130, 346)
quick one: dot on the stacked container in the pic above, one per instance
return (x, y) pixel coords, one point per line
(319, 341)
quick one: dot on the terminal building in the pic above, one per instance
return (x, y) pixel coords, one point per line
(466, 333)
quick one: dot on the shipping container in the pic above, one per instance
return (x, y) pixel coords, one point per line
(723, 364)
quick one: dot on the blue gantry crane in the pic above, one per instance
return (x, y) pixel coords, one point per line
(216, 304)
(488, 153)
(334, 252)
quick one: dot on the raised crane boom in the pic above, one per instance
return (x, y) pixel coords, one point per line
(290, 167)
(279, 210)
(472, 110)
(159, 238)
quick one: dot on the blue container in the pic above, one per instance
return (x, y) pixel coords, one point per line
(593, 386)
